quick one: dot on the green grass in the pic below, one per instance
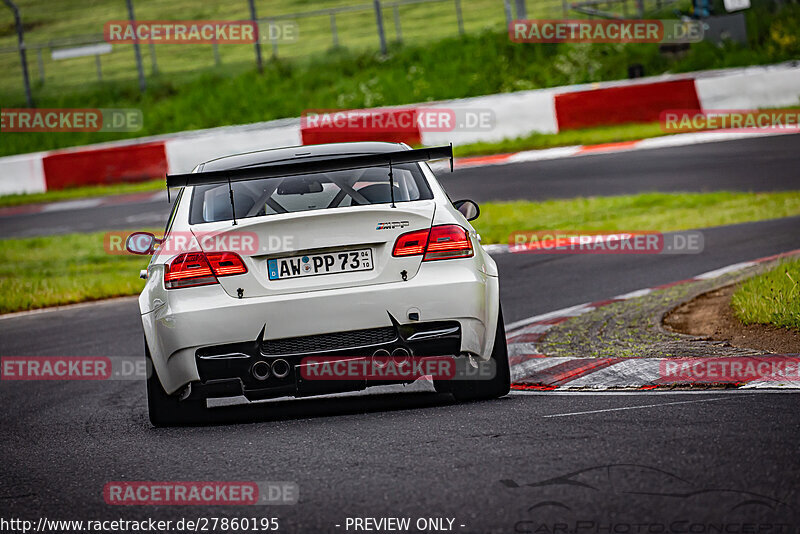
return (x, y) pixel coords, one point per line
(771, 298)
(47, 271)
(440, 67)
(661, 212)
(81, 192)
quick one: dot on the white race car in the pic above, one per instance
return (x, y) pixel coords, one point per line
(342, 251)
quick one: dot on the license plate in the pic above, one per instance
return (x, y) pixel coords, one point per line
(314, 264)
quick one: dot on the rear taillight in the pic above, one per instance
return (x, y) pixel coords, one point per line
(443, 242)
(226, 263)
(446, 242)
(192, 269)
(411, 244)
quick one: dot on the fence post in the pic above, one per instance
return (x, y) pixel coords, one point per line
(272, 38)
(379, 19)
(153, 57)
(215, 49)
(509, 17)
(22, 56)
(459, 18)
(136, 51)
(333, 30)
(397, 30)
(40, 61)
(99, 68)
(254, 18)
(522, 13)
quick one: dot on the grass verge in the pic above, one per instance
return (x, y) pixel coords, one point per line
(48, 271)
(771, 298)
(663, 212)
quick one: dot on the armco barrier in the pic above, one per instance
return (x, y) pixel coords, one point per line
(751, 88)
(641, 102)
(185, 152)
(105, 165)
(22, 174)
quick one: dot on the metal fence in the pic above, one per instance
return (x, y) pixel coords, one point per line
(53, 28)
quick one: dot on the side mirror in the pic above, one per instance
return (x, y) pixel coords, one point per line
(468, 209)
(140, 243)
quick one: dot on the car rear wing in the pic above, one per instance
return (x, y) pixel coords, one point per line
(297, 167)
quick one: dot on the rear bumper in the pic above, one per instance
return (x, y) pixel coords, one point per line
(194, 319)
(265, 369)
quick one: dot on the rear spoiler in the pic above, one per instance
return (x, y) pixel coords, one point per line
(294, 168)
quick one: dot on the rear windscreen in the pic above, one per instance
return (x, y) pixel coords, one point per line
(337, 189)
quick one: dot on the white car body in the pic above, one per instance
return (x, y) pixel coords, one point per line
(181, 323)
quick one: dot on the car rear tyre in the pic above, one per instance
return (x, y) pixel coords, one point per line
(168, 410)
(482, 389)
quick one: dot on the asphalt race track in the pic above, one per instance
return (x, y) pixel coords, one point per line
(758, 164)
(599, 463)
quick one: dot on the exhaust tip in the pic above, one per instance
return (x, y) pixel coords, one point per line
(280, 368)
(260, 370)
(381, 357)
(401, 356)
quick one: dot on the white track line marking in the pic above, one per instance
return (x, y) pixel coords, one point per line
(73, 205)
(572, 311)
(730, 268)
(633, 407)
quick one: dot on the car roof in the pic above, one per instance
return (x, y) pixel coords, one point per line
(298, 152)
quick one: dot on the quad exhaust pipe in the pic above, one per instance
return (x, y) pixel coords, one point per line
(400, 356)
